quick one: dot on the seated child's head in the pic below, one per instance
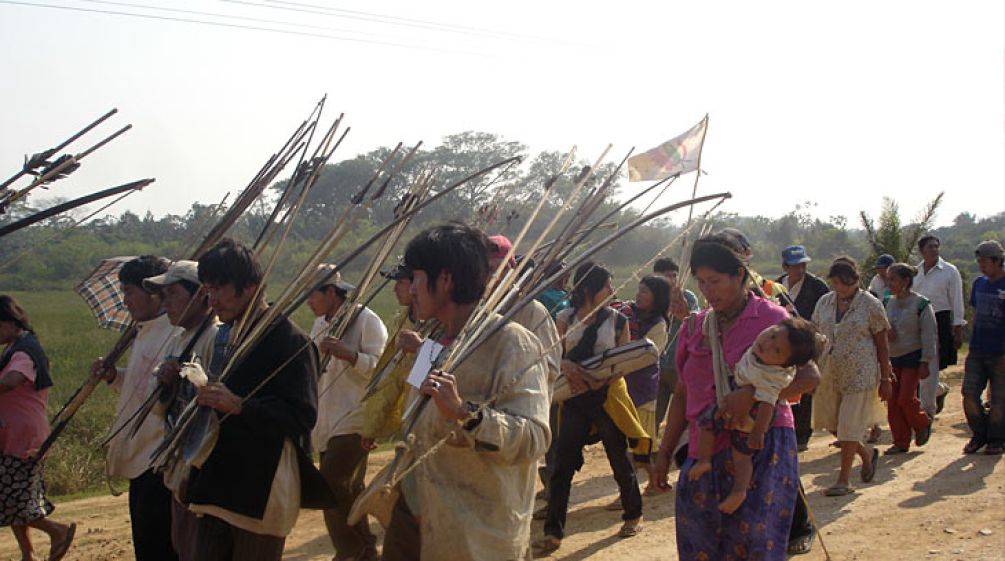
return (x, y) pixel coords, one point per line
(793, 342)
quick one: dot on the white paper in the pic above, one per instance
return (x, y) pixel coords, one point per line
(423, 362)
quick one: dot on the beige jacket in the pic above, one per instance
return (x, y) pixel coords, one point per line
(476, 493)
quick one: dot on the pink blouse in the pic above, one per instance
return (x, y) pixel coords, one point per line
(694, 362)
(23, 421)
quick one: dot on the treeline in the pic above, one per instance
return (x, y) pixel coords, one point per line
(52, 256)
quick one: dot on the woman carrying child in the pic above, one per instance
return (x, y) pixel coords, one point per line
(759, 527)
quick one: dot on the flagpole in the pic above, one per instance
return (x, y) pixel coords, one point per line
(694, 192)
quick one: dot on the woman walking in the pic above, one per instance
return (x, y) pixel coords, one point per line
(913, 335)
(647, 319)
(856, 370)
(590, 327)
(24, 383)
(709, 346)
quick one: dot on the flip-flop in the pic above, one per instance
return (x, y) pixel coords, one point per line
(630, 528)
(839, 490)
(868, 475)
(58, 550)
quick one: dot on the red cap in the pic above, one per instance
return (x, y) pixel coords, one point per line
(499, 246)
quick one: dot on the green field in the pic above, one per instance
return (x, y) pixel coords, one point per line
(72, 339)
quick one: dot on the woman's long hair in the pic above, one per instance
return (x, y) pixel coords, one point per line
(589, 279)
(660, 287)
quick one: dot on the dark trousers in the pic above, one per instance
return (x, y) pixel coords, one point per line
(947, 344)
(803, 413)
(801, 525)
(150, 515)
(215, 540)
(402, 541)
(577, 418)
(545, 471)
(343, 465)
(184, 523)
(981, 371)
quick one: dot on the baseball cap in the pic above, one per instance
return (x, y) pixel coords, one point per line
(499, 246)
(794, 255)
(398, 272)
(335, 280)
(989, 248)
(177, 271)
(884, 261)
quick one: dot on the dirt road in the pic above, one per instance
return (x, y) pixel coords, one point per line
(934, 504)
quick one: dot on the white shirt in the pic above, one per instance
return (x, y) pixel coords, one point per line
(943, 287)
(793, 289)
(877, 286)
(129, 457)
(342, 384)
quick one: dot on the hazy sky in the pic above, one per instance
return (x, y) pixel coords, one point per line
(834, 103)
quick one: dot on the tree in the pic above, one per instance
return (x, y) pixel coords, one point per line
(889, 236)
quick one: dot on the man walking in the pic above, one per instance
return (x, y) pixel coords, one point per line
(986, 361)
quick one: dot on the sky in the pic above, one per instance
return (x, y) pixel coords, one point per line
(834, 104)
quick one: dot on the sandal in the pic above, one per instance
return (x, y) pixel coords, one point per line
(801, 545)
(921, 437)
(993, 450)
(58, 550)
(975, 444)
(839, 490)
(894, 450)
(545, 546)
(868, 475)
(630, 528)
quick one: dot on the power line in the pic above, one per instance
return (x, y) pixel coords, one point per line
(394, 20)
(230, 16)
(239, 26)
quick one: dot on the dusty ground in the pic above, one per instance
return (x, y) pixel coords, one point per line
(933, 505)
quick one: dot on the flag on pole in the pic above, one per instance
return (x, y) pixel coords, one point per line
(677, 156)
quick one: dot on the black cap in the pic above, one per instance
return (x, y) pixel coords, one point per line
(399, 272)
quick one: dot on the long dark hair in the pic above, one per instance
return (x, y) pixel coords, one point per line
(589, 279)
(11, 311)
(660, 287)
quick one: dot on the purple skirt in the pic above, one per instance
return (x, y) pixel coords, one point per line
(759, 529)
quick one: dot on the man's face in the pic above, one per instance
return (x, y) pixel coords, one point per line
(227, 302)
(142, 305)
(324, 302)
(182, 308)
(795, 272)
(881, 271)
(429, 296)
(403, 291)
(930, 251)
(989, 267)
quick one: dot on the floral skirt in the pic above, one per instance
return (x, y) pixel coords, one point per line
(22, 491)
(759, 529)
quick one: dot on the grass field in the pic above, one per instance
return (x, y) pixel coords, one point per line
(72, 339)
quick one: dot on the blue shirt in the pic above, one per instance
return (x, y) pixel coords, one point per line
(554, 300)
(988, 300)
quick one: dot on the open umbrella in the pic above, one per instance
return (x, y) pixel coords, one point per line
(103, 294)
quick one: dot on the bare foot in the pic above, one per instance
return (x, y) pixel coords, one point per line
(732, 502)
(700, 468)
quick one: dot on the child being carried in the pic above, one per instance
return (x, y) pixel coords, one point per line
(769, 365)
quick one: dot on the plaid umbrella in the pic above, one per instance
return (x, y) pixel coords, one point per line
(103, 294)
